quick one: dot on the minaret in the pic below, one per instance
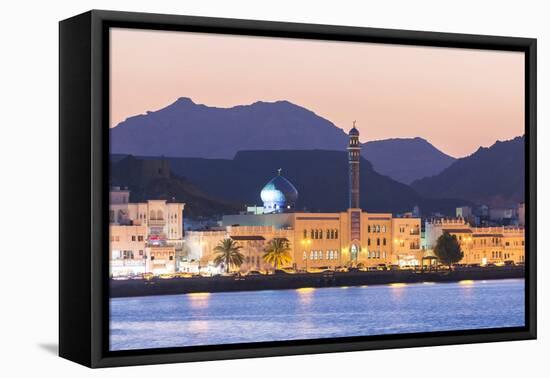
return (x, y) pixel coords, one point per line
(354, 154)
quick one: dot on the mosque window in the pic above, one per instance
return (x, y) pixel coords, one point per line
(368, 228)
(312, 234)
(311, 255)
(305, 255)
(320, 234)
(377, 241)
(335, 255)
(383, 228)
(152, 216)
(336, 234)
(384, 241)
(305, 234)
(368, 241)
(160, 216)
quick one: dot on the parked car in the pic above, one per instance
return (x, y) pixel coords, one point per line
(166, 276)
(183, 275)
(254, 273)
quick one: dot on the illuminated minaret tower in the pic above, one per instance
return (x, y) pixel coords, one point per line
(354, 154)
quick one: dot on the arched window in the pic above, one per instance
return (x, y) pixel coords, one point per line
(152, 216)
(305, 234)
(384, 241)
(305, 255)
(368, 228)
(378, 241)
(320, 234)
(383, 228)
(335, 234)
(312, 234)
(160, 216)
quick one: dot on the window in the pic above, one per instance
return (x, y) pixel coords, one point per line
(368, 228)
(171, 257)
(305, 255)
(320, 234)
(335, 234)
(384, 241)
(368, 241)
(377, 241)
(140, 237)
(152, 216)
(160, 216)
(305, 234)
(133, 237)
(383, 228)
(335, 255)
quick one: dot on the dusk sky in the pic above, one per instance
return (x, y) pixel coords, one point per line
(457, 99)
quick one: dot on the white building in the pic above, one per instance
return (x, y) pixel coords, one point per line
(145, 236)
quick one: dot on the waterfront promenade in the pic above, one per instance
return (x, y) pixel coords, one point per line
(157, 286)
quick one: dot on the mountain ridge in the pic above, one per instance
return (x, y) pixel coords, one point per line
(492, 175)
(187, 129)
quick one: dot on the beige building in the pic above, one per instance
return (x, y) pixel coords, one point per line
(127, 249)
(481, 245)
(145, 237)
(317, 240)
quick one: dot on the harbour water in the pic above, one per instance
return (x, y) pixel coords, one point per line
(307, 313)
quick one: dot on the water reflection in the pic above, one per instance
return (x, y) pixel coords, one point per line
(305, 295)
(307, 313)
(198, 300)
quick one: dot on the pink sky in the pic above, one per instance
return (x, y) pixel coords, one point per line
(457, 99)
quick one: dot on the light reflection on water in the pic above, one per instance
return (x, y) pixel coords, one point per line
(236, 317)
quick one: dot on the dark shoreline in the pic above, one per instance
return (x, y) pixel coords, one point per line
(137, 288)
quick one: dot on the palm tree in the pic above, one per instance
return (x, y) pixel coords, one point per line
(228, 254)
(277, 252)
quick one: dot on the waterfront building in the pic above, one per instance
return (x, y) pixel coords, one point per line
(146, 236)
(127, 249)
(480, 245)
(351, 238)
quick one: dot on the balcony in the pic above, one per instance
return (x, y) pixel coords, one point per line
(157, 222)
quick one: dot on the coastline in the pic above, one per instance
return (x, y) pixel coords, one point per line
(156, 286)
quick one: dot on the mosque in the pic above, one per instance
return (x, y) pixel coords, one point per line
(317, 240)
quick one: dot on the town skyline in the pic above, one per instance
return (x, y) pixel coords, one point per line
(458, 99)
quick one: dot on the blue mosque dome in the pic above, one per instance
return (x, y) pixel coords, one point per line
(278, 195)
(354, 131)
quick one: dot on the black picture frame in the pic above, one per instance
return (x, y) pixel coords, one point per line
(84, 172)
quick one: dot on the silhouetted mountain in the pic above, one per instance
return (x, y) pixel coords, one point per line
(186, 129)
(493, 176)
(321, 178)
(406, 159)
(152, 179)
